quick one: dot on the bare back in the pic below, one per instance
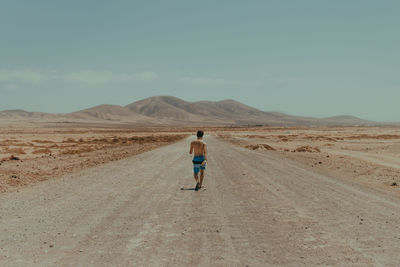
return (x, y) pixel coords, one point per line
(198, 147)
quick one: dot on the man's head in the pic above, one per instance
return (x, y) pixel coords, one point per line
(200, 134)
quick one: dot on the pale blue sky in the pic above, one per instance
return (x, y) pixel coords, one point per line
(313, 58)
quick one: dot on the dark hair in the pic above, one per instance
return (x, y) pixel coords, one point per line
(200, 133)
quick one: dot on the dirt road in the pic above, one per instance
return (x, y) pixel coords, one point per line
(256, 210)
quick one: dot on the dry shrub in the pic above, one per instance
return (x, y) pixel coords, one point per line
(10, 141)
(169, 138)
(43, 141)
(307, 149)
(22, 144)
(260, 146)
(330, 139)
(119, 141)
(17, 150)
(115, 140)
(156, 138)
(69, 140)
(3, 189)
(12, 157)
(320, 138)
(283, 138)
(329, 145)
(76, 151)
(42, 151)
(256, 136)
(99, 141)
(86, 149)
(378, 137)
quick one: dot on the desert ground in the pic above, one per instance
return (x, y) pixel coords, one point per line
(32, 154)
(366, 155)
(273, 197)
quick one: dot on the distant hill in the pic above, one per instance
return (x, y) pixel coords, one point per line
(168, 110)
(221, 112)
(19, 114)
(345, 119)
(164, 107)
(227, 112)
(106, 112)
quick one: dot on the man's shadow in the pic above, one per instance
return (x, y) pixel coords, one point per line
(188, 188)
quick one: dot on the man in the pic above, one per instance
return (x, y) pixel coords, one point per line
(200, 158)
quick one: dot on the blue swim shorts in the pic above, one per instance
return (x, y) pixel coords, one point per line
(197, 164)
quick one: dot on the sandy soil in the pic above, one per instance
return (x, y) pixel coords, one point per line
(367, 155)
(28, 155)
(259, 209)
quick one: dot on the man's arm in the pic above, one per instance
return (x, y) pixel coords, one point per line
(205, 154)
(191, 148)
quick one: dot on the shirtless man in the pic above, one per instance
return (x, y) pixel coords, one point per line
(200, 158)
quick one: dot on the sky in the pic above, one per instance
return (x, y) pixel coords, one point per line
(311, 58)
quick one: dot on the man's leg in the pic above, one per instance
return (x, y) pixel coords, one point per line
(201, 177)
(196, 177)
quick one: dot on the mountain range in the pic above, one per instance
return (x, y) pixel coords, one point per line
(168, 110)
